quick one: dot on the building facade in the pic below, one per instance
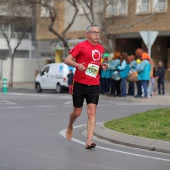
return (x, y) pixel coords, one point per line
(128, 18)
(15, 21)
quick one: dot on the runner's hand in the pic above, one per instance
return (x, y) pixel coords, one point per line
(80, 66)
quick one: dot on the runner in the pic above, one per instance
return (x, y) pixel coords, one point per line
(86, 57)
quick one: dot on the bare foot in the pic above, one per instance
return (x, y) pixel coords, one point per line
(69, 133)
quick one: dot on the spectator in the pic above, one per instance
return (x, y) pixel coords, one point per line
(152, 79)
(132, 68)
(107, 79)
(103, 80)
(70, 81)
(112, 84)
(160, 76)
(144, 69)
(123, 70)
(115, 80)
(138, 83)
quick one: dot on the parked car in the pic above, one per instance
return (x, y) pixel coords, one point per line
(53, 77)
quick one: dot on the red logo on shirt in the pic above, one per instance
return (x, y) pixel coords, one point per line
(96, 55)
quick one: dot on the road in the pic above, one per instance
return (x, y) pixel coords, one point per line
(32, 128)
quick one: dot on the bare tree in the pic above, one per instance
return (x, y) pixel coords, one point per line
(106, 16)
(16, 15)
(54, 15)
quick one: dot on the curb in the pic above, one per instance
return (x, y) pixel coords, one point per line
(130, 140)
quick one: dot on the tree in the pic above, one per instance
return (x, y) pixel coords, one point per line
(16, 15)
(105, 13)
(54, 13)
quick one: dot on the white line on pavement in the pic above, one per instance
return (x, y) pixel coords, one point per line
(25, 94)
(6, 102)
(62, 133)
(14, 107)
(45, 106)
(68, 102)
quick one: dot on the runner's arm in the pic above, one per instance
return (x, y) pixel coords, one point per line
(70, 61)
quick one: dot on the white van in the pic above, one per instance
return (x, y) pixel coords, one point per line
(53, 77)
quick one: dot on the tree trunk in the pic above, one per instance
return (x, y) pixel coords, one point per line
(11, 69)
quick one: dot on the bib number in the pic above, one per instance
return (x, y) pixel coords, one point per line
(92, 70)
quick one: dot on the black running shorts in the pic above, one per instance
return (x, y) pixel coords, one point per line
(83, 91)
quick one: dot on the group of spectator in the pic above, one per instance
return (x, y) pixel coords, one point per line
(138, 69)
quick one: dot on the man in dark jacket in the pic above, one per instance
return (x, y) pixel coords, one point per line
(160, 76)
(70, 81)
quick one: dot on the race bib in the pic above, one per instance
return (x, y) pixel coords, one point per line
(92, 70)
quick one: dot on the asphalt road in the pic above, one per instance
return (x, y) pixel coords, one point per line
(32, 128)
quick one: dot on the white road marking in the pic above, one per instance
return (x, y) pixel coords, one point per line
(25, 94)
(48, 106)
(68, 102)
(6, 102)
(62, 133)
(14, 107)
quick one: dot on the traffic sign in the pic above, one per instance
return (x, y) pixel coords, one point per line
(149, 38)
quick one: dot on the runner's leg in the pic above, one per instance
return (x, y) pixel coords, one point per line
(73, 116)
(91, 111)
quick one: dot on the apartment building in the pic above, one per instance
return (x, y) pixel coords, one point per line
(145, 15)
(15, 19)
(129, 17)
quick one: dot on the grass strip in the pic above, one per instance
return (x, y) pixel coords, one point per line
(153, 124)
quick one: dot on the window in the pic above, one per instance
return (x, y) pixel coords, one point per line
(148, 6)
(122, 7)
(4, 10)
(5, 26)
(142, 6)
(159, 6)
(98, 6)
(45, 11)
(45, 71)
(117, 8)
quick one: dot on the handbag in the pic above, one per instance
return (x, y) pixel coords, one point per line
(133, 76)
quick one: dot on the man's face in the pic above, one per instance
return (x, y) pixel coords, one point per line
(93, 35)
(160, 64)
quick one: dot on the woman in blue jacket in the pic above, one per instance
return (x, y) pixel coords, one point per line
(144, 70)
(132, 68)
(115, 81)
(124, 70)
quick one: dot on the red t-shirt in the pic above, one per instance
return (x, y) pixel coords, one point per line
(91, 55)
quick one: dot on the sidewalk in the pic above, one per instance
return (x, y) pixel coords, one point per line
(24, 85)
(121, 138)
(155, 100)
